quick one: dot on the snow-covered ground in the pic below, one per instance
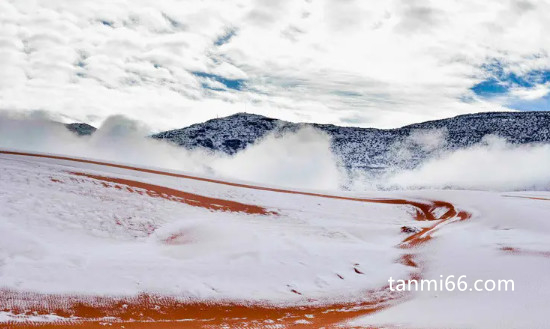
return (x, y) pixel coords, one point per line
(71, 228)
(63, 235)
(508, 238)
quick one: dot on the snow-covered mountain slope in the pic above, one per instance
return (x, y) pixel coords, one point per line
(84, 242)
(81, 129)
(369, 148)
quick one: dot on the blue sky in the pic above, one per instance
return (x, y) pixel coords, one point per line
(501, 84)
(235, 84)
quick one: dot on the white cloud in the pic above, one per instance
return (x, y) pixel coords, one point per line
(536, 92)
(491, 165)
(303, 158)
(376, 63)
(297, 159)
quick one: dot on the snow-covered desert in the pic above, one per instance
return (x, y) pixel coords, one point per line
(85, 243)
(272, 164)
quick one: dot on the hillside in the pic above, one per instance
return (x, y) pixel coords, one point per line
(370, 148)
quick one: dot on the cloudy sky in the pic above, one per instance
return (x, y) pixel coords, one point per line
(362, 63)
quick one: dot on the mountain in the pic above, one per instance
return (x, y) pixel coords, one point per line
(81, 129)
(229, 135)
(369, 148)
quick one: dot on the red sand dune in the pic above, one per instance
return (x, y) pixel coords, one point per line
(424, 210)
(151, 311)
(156, 191)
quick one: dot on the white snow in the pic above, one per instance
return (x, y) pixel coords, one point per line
(77, 237)
(10, 317)
(473, 249)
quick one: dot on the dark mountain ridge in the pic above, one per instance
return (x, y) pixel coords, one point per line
(370, 148)
(81, 129)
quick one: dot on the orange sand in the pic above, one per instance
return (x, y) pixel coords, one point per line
(526, 197)
(525, 252)
(157, 191)
(151, 311)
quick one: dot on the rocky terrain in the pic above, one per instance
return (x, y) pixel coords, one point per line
(369, 148)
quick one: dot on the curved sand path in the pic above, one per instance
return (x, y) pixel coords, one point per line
(151, 311)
